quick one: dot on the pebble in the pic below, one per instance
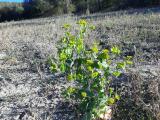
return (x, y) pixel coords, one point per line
(2, 55)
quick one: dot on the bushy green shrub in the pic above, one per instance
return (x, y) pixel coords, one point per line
(19, 10)
(90, 71)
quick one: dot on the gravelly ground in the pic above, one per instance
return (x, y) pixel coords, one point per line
(25, 95)
(19, 94)
(28, 91)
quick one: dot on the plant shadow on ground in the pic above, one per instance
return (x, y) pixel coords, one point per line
(139, 99)
(64, 111)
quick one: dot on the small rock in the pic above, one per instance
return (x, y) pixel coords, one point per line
(22, 115)
(1, 78)
(3, 55)
(5, 77)
(154, 73)
(49, 97)
(1, 100)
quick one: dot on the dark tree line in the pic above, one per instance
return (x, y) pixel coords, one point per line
(88, 6)
(56, 7)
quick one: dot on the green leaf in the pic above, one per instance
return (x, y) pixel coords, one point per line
(129, 62)
(79, 61)
(72, 41)
(68, 34)
(121, 65)
(62, 67)
(83, 94)
(89, 68)
(71, 90)
(96, 65)
(82, 22)
(117, 97)
(66, 26)
(128, 57)
(105, 51)
(62, 56)
(92, 27)
(111, 90)
(63, 39)
(83, 30)
(79, 76)
(89, 62)
(103, 56)
(79, 48)
(115, 50)
(116, 73)
(70, 77)
(53, 67)
(94, 74)
(111, 101)
(95, 48)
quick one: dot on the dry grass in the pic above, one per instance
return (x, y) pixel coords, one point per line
(34, 40)
(7, 4)
(140, 99)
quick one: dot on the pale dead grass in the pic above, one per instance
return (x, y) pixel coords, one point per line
(31, 42)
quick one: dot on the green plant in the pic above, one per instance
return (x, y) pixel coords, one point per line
(19, 10)
(90, 70)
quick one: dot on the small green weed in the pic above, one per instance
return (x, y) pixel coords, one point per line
(90, 70)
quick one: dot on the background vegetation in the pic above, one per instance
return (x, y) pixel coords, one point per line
(28, 88)
(10, 11)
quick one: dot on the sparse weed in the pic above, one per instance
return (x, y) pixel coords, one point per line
(90, 71)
